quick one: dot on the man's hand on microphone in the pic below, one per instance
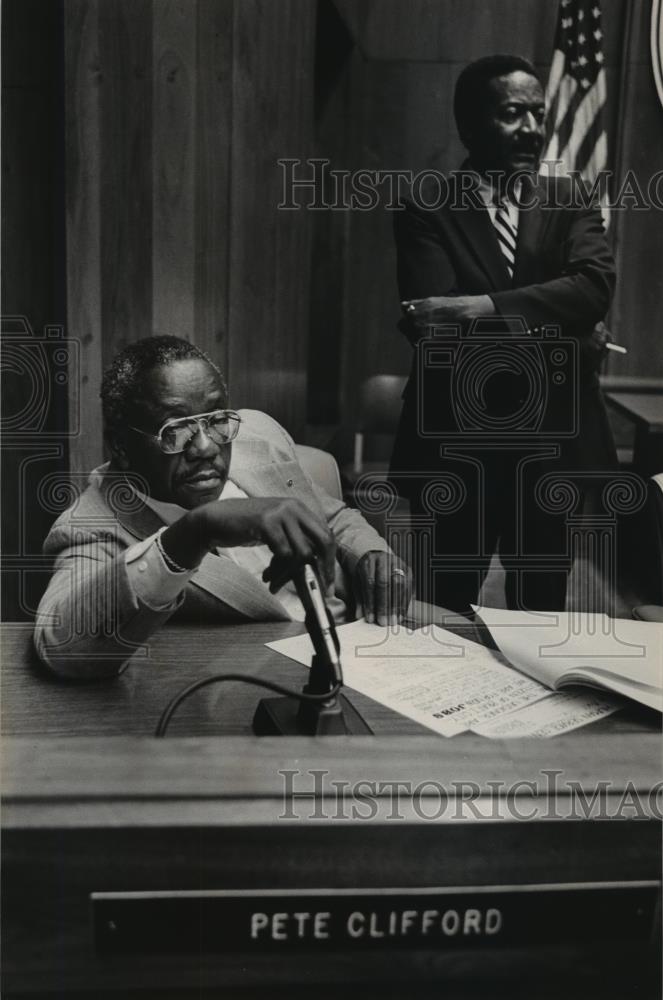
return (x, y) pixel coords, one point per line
(384, 587)
(294, 534)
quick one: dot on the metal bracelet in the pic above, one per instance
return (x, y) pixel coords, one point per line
(170, 563)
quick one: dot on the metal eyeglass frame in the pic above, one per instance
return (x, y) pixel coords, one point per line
(231, 415)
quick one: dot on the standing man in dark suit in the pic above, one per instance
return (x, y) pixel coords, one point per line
(504, 399)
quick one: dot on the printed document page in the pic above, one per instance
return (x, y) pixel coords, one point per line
(444, 682)
(552, 716)
(622, 655)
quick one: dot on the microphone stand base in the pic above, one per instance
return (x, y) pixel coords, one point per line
(291, 717)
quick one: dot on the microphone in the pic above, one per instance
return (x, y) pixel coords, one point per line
(325, 717)
(319, 622)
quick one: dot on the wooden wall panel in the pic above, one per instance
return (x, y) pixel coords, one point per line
(174, 74)
(83, 132)
(212, 183)
(125, 42)
(32, 174)
(330, 251)
(34, 440)
(178, 111)
(402, 121)
(269, 277)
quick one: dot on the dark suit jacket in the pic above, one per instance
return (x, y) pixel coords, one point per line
(563, 275)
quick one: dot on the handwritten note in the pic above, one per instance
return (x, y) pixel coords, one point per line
(552, 716)
(444, 682)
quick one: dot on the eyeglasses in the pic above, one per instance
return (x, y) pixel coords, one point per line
(177, 434)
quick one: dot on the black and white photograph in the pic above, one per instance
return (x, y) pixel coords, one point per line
(332, 499)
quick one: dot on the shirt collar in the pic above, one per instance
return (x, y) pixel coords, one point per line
(487, 192)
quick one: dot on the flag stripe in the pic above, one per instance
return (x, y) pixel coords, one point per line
(572, 119)
(556, 74)
(589, 111)
(586, 148)
(576, 92)
(565, 97)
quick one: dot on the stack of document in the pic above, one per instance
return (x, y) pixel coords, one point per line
(452, 684)
(570, 648)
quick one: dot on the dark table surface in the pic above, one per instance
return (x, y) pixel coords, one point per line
(643, 407)
(35, 702)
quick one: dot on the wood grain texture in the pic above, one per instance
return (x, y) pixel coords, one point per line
(126, 172)
(44, 769)
(174, 76)
(34, 444)
(213, 176)
(178, 114)
(84, 81)
(269, 277)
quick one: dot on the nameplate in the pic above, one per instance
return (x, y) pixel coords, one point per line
(216, 921)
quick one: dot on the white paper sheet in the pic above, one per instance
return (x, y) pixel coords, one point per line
(551, 716)
(444, 682)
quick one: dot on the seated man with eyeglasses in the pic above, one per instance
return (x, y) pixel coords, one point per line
(172, 526)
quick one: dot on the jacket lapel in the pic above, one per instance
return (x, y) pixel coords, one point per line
(472, 223)
(532, 225)
(217, 575)
(477, 231)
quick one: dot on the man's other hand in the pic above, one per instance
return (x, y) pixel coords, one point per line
(441, 309)
(384, 587)
(594, 349)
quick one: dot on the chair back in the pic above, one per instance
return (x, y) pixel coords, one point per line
(321, 467)
(380, 404)
(379, 412)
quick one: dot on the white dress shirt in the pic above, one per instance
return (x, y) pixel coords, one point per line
(487, 195)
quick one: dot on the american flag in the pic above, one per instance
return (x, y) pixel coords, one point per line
(576, 92)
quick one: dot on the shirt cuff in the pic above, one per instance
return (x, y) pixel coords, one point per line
(151, 580)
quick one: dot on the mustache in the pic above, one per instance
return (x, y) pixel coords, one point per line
(530, 145)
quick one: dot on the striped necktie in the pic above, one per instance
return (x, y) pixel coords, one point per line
(506, 235)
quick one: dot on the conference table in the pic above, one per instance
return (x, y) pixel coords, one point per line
(115, 842)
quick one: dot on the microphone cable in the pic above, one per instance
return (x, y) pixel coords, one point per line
(175, 703)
